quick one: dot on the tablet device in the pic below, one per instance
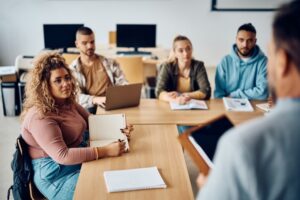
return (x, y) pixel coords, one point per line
(123, 96)
(201, 141)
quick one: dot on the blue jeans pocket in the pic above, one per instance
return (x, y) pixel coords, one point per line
(49, 170)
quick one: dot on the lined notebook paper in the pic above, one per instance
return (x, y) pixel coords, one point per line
(133, 179)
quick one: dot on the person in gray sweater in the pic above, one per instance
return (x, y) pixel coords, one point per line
(261, 159)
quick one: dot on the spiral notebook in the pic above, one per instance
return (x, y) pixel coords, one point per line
(133, 179)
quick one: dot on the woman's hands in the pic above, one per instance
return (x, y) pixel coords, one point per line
(113, 149)
(201, 180)
(178, 98)
(127, 131)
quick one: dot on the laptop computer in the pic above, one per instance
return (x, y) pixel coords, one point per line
(201, 141)
(123, 96)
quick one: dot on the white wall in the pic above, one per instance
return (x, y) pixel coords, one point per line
(212, 33)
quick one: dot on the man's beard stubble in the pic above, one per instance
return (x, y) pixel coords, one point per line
(247, 54)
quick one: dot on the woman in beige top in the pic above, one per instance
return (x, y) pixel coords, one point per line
(182, 78)
(53, 126)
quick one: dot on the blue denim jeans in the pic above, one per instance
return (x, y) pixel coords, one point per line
(55, 181)
(181, 128)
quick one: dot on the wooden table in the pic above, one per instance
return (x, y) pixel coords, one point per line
(153, 111)
(151, 145)
(154, 143)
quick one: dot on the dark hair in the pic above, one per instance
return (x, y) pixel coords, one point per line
(286, 30)
(84, 31)
(247, 27)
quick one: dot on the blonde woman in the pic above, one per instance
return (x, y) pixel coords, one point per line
(53, 126)
(182, 78)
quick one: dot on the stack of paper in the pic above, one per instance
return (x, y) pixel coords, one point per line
(133, 179)
(235, 104)
(192, 104)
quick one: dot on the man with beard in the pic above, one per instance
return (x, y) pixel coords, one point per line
(94, 73)
(243, 73)
(261, 159)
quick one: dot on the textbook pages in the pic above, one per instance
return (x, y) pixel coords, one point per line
(192, 104)
(105, 129)
(133, 179)
(237, 104)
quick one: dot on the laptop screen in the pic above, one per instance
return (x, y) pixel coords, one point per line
(123, 96)
(206, 138)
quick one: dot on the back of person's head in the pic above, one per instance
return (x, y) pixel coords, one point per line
(84, 31)
(286, 31)
(38, 89)
(175, 40)
(247, 27)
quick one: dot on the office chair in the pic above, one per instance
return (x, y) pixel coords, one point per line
(112, 38)
(133, 68)
(70, 57)
(34, 193)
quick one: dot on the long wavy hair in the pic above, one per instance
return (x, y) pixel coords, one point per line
(37, 89)
(172, 58)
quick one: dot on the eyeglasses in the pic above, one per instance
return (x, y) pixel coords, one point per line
(59, 81)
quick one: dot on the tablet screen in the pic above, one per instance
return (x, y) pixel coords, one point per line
(205, 139)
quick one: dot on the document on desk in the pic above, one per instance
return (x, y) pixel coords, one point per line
(264, 106)
(105, 129)
(237, 104)
(192, 104)
(133, 179)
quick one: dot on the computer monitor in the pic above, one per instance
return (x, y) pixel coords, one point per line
(58, 36)
(136, 36)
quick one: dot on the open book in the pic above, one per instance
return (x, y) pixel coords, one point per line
(106, 129)
(133, 179)
(237, 104)
(192, 104)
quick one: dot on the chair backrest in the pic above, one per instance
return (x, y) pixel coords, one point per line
(24, 62)
(112, 38)
(70, 57)
(133, 68)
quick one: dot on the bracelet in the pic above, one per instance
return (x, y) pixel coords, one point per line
(96, 151)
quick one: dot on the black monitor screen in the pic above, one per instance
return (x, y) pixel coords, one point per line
(136, 35)
(207, 137)
(60, 35)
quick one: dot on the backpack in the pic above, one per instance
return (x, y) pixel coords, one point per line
(22, 172)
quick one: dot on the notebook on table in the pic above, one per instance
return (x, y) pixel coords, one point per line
(133, 179)
(106, 128)
(237, 104)
(201, 141)
(264, 106)
(190, 105)
(123, 96)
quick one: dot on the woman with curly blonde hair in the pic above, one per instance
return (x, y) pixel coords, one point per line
(53, 125)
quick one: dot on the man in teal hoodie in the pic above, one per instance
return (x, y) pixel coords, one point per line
(243, 73)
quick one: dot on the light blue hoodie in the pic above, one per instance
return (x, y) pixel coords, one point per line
(242, 79)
